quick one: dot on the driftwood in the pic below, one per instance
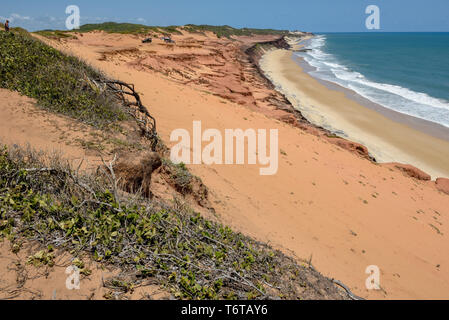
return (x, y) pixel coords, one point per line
(138, 111)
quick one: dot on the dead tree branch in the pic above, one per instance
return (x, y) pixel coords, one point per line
(138, 111)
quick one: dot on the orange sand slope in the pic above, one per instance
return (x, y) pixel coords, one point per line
(325, 203)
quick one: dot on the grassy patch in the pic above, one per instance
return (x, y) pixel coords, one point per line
(332, 136)
(59, 82)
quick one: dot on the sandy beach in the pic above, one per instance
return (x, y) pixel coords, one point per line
(387, 140)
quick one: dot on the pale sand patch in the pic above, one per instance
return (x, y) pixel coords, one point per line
(344, 211)
(387, 140)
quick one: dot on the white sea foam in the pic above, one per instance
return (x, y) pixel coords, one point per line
(417, 104)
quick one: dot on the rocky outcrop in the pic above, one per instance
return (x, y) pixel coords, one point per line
(443, 185)
(410, 171)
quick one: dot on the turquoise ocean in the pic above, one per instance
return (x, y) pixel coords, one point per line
(405, 72)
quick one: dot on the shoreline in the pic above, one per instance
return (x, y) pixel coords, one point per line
(434, 129)
(389, 135)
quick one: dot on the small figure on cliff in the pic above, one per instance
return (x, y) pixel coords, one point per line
(7, 26)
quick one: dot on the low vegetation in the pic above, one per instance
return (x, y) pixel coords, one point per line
(227, 31)
(179, 175)
(130, 28)
(127, 28)
(45, 201)
(60, 83)
(55, 34)
(114, 27)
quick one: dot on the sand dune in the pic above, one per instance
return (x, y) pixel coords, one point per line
(325, 204)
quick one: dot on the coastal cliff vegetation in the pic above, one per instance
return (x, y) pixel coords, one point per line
(46, 201)
(60, 83)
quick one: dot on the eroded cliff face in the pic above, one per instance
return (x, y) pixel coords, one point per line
(256, 51)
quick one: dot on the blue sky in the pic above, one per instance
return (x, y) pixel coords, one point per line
(307, 15)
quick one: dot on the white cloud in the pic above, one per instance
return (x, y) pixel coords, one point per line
(18, 17)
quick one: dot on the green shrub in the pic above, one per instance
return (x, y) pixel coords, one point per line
(59, 82)
(180, 177)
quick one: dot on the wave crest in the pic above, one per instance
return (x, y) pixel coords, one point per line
(397, 98)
